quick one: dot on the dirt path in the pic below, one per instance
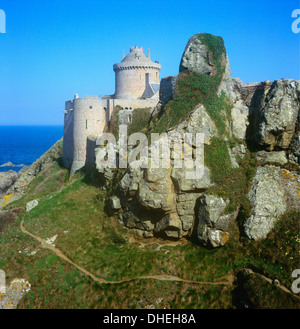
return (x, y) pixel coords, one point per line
(164, 277)
(278, 285)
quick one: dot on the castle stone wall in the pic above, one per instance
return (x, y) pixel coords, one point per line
(68, 143)
(90, 161)
(86, 117)
(136, 103)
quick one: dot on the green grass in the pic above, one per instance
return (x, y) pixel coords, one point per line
(230, 183)
(218, 160)
(48, 181)
(94, 237)
(278, 255)
(98, 243)
(262, 294)
(57, 284)
(140, 120)
(193, 88)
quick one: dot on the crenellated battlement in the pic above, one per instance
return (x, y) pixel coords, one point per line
(135, 48)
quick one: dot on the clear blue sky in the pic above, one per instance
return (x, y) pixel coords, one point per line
(54, 49)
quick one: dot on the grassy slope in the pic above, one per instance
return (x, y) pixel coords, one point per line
(97, 242)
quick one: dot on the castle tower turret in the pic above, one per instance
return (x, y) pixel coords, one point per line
(131, 75)
(83, 117)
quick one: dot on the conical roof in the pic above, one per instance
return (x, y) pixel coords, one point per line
(136, 58)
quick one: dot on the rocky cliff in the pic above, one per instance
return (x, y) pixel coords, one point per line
(14, 185)
(251, 144)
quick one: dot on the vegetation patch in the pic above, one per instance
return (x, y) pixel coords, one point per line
(262, 294)
(140, 120)
(277, 255)
(114, 122)
(230, 183)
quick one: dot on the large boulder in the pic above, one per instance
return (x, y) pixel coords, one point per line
(183, 184)
(240, 119)
(198, 121)
(170, 225)
(195, 57)
(213, 223)
(167, 88)
(31, 205)
(273, 156)
(273, 192)
(7, 179)
(156, 191)
(186, 204)
(164, 202)
(278, 115)
(160, 201)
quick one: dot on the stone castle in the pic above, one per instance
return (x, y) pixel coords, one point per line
(137, 85)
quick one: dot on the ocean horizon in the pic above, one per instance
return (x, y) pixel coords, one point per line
(23, 145)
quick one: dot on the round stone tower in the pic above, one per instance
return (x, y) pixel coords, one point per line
(83, 117)
(135, 75)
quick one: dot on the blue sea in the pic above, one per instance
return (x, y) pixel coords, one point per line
(22, 145)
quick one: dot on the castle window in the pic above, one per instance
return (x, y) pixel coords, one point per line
(129, 118)
(91, 107)
(86, 124)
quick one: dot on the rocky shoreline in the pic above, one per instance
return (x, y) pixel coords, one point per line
(13, 184)
(10, 164)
